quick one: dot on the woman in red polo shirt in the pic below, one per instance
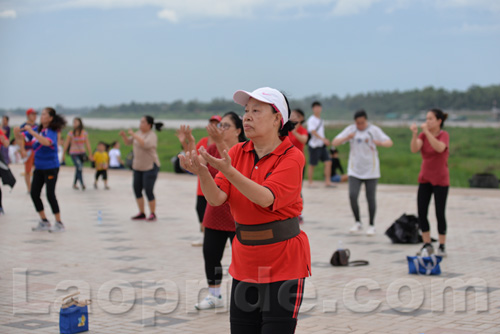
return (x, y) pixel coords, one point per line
(434, 177)
(261, 180)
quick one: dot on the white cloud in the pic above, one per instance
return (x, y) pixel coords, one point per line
(8, 14)
(168, 15)
(351, 7)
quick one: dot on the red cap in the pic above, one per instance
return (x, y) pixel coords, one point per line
(216, 118)
(30, 111)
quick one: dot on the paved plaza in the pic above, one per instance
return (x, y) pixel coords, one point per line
(146, 277)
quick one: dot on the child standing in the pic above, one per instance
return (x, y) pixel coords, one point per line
(101, 159)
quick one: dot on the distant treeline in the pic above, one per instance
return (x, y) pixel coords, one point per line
(378, 104)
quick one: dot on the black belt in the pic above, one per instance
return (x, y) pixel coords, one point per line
(268, 233)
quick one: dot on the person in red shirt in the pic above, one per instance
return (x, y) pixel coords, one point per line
(434, 178)
(218, 221)
(299, 135)
(261, 180)
(186, 139)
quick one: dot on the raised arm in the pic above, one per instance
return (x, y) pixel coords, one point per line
(256, 193)
(385, 143)
(216, 134)
(416, 143)
(300, 137)
(341, 140)
(41, 139)
(436, 144)
(212, 193)
(126, 140)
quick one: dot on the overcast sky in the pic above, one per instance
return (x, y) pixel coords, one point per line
(90, 52)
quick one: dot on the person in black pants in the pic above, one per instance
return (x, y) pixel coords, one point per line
(46, 166)
(434, 178)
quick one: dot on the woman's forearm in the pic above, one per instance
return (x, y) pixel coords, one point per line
(41, 139)
(436, 144)
(256, 193)
(414, 144)
(211, 191)
(301, 138)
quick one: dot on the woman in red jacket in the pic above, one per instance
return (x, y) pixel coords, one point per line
(261, 180)
(434, 178)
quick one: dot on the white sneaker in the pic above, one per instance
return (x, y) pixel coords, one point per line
(42, 226)
(371, 231)
(197, 242)
(210, 302)
(58, 227)
(357, 227)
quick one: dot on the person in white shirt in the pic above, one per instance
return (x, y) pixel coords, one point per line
(318, 145)
(363, 165)
(115, 157)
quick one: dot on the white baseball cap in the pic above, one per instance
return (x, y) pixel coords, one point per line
(267, 95)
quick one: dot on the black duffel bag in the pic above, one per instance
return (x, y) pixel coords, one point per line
(404, 230)
(484, 180)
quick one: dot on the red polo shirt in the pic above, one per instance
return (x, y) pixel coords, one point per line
(434, 168)
(281, 172)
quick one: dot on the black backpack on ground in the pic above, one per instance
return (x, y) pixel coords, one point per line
(404, 230)
(484, 180)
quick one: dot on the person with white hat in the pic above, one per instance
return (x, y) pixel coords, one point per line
(261, 180)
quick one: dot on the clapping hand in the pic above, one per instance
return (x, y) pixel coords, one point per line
(414, 128)
(191, 162)
(424, 127)
(130, 132)
(214, 132)
(223, 165)
(181, 133)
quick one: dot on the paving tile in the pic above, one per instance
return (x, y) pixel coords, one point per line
(32, 324)
(155, 268)
(133, 270)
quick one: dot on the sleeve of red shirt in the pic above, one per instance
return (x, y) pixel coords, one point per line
(285, 181)
(445, 138)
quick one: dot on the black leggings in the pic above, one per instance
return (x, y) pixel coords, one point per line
(425, 191)
(270, 308)
(371, 192)
(145, 181)
(0, 197)
(214, 242)
(49, 178)
(201, 206)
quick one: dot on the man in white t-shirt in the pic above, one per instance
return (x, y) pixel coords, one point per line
(363, 165)
(318, 144)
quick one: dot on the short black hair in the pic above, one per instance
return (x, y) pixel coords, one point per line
(360, 113)
(315, 104)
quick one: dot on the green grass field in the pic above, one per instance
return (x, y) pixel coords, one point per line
(471, 151)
